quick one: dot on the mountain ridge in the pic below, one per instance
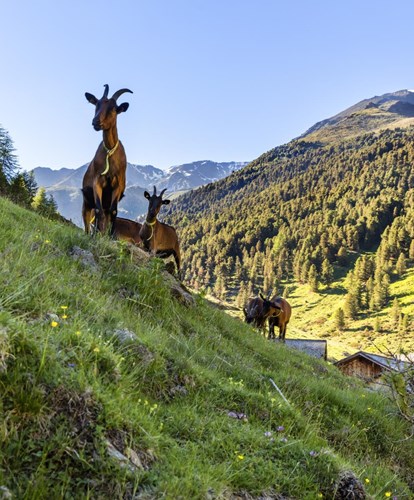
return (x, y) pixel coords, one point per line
(64, 184)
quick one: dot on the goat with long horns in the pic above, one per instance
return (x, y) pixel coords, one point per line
(158, 237)
(104, 180)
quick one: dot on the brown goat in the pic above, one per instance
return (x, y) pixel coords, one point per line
(157, 237)
(104, 180)
(277, 311)
(280, 313)
(127, 230)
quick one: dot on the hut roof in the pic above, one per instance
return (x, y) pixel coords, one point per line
(382, 361)
(315, 348)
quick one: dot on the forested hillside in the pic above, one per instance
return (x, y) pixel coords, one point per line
(302, 213)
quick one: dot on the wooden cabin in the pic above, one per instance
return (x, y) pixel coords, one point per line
(368, 366)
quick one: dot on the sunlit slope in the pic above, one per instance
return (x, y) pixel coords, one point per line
(111, 388)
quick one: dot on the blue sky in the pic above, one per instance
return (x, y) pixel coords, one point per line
(212, 79)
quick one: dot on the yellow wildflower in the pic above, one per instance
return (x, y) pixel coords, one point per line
(64, 316)
(240, 457)
(63, 307)
(96, 349)
(366, 480)
(388, 494)
(54, 324)
(77, 332)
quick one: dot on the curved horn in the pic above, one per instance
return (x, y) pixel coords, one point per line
(105, 94)
(155, 191)
(163, 191)
(120, 92)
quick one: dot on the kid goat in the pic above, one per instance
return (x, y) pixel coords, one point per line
(157, 237)
(104, 180)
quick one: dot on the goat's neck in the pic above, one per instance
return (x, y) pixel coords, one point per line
(110, 137)
(150, 222)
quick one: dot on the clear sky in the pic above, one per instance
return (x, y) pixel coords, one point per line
(212, 79)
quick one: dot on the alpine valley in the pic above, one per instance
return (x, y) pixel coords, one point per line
(327, 220)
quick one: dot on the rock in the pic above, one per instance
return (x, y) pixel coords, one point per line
(125, 336)
(85, 257)
(119, 457)
(178, 290)
(349, 487)
(134, 458)
(5, 493)
(52, 317)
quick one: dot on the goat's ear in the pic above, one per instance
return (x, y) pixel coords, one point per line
(91, 98)
(261, 296)
(166, 202)
(122, 107)
(147, 195)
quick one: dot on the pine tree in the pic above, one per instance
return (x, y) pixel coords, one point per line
(313, 278)
(342, 257)
(327, 273)
(8, 160)
(401, 265)
(339, 319)
(396, 312)
(44, 204)
(351, 306)
(411, 252)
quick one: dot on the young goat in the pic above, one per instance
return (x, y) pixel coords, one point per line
(104, 180)
(157, 237)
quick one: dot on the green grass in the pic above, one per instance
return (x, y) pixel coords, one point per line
(68, 386)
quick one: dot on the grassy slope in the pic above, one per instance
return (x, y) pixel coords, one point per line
(67, 389)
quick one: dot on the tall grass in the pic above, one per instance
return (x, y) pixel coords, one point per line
(188, 402)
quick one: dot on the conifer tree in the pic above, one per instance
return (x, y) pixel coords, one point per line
(401, 265)
(313, 278)
(411, 252)
(8, 160)
(396, 312)
(327, 272)
(351, 306)
(339, 319)
(342, 257)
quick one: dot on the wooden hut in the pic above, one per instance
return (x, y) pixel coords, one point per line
(368, 366)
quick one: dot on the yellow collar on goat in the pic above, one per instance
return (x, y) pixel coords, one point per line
(109, 153)
(151, 225)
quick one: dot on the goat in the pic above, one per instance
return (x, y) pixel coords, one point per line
(127, 230)
(157, 237)
(277, 311)
(254, 312)
(104, 180)
(279, 315)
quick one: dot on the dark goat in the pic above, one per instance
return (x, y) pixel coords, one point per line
(277, 311)
(254, 312)
(127, 230)
(104, 180)
(157, 237)
(279, 315)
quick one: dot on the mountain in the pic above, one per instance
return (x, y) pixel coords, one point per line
(395, 109)
(192, 175)
(306, 214)
(64, 184)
